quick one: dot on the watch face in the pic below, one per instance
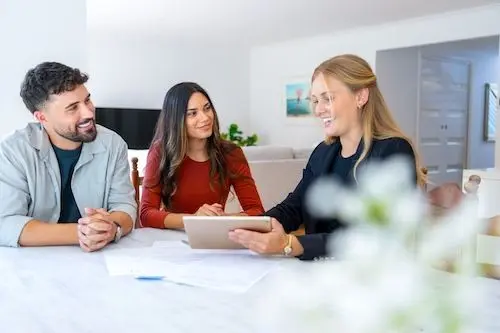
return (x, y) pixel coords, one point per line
(288, 250)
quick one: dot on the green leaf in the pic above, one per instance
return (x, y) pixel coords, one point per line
(235, 135)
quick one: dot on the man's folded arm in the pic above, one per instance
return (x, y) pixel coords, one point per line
(16, 227)
(121, 202)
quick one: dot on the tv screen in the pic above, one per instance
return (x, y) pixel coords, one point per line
(135, 126)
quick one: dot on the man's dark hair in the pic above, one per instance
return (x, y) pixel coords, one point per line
(46, 79)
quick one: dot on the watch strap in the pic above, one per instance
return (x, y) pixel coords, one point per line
(288, 247)
(118, 233)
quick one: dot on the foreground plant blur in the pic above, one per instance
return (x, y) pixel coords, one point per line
(383, 277)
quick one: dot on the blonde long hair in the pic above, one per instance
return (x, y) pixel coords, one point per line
(377, 121)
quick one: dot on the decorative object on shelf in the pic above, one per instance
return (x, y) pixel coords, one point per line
(491, 104)
(298, 100)
(472, 185)
(235, 135)
(492, 229)
(380, 273)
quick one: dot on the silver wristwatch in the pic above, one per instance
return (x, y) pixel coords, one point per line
(118, 234)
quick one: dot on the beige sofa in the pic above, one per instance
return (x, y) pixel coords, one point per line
(276, 171)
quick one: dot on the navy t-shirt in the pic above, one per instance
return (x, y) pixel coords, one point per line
(342, 168)
(67, 160)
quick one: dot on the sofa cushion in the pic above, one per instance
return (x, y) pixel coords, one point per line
(267, 153)
(274, 181)
(302, 153)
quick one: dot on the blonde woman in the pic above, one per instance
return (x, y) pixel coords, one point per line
(358, 127)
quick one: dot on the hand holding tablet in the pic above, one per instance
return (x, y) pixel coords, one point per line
(277, 241)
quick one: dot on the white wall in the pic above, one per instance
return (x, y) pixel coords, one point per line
(272, 65)
(137, 74)
(32, 32)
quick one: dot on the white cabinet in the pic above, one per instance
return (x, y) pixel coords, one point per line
(488, 192)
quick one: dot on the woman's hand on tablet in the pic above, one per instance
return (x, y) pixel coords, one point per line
(210, 210)
(272, 242)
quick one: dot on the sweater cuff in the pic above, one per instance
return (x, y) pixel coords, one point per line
(11, 228)
(314, 246)
(154, 218)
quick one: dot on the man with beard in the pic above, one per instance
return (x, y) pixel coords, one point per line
(63, 180)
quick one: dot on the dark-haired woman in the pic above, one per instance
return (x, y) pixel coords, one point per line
(190, 169)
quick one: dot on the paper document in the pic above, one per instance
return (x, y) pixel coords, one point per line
(232, 270)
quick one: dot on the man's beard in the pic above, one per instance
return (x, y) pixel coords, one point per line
(79, 135)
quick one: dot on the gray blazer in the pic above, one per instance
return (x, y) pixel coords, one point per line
(30, 181)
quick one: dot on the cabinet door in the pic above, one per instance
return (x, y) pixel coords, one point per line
(443, 114)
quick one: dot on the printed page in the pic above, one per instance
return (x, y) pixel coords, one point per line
(232, 270)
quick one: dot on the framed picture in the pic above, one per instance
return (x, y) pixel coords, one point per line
(490, 111)
(297, 99)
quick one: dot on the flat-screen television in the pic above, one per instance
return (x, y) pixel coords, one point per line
(135, 126)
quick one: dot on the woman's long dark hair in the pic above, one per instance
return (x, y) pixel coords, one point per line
(171, 136)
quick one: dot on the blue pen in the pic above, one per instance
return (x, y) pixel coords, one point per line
(150, 278)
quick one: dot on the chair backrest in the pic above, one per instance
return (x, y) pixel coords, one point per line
(137, 183)
(424, 171)
(136, 179)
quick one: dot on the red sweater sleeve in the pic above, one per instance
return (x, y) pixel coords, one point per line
(244, 184)
(150, 213)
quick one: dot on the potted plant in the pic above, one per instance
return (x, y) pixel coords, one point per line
(235, 135)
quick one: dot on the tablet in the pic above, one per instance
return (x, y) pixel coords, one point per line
(212, 232)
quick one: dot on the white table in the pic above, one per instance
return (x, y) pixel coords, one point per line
(64, 290)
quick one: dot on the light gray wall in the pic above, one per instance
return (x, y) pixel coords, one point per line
(397, 74)
(482, 53)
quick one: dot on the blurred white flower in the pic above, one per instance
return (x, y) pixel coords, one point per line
(385, 197)
(325, 197)
(451, 236)
(382, 280)
(394, 175)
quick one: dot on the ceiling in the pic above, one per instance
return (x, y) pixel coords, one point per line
(251, 22)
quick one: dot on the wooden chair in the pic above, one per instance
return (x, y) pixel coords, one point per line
(136, 179)
(425, 171)
(137, 183)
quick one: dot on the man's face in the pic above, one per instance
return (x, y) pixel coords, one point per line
(70, 116)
